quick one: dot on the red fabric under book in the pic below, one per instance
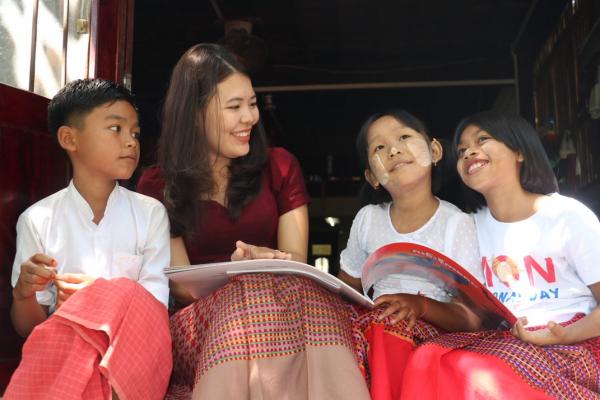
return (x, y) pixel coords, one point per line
(497, 365)
(112, 333)
(384, 349)
(437, 372)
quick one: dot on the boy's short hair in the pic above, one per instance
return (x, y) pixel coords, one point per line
(80, 97)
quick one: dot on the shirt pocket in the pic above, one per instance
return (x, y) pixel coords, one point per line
(127, 265)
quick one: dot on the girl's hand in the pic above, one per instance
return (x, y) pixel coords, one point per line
(35, 275)
(245, 251)
(67, 284)
(553, 333)
(402, 306)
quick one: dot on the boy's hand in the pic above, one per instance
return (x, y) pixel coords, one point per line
(246, 251)
(553, 333)
(67, 284)
(401, 306)
(35, 275)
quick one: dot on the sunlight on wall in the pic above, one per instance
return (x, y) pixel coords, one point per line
(49, 62)
(77, 43)
(57, 60)
(15, 42)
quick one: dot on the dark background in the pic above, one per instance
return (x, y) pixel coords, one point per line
(309, 42)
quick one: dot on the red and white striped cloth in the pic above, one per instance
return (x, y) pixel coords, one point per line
(111, 334)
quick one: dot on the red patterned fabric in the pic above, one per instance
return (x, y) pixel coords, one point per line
(497, 365)
(282, 190)
(258, 316)
(383, 350)
(109, 334)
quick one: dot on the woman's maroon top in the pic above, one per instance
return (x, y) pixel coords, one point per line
(283, 190)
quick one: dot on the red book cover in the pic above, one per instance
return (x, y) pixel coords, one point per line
(424, 262)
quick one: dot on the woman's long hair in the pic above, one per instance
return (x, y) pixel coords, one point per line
(183, 152)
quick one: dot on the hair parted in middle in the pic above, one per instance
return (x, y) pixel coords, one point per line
(183, 152)
(369, 195)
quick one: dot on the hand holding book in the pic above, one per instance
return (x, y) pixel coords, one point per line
(423, 262)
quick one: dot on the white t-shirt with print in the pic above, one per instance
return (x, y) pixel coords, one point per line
(131, 240)
(449, 231)
(540, 267)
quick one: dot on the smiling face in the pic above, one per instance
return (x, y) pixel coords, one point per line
(398, 155)
(230, 116)
(485, 163)
(104, 144)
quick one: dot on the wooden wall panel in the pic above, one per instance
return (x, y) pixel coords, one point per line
(32, 166)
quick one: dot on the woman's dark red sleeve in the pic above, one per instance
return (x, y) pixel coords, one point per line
(287, 180)
(152, 183)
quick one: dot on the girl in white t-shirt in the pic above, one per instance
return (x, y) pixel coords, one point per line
(539, 256)
(399, 157)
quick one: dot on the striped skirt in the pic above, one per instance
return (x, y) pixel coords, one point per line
(266, 336)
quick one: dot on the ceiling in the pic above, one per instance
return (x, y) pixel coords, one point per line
(310, 42)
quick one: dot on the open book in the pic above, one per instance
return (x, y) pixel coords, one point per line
(203, 279)
(421, 261)
(397, 258)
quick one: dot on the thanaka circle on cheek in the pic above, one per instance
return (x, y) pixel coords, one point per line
(379, 170)
(420, 152)
(491, 148)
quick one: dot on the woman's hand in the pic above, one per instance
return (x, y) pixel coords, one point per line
(402, 306)
(553, 333)
(245, 251)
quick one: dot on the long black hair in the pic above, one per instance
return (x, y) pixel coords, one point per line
(369, 195)
(517, 134)
(183, 153)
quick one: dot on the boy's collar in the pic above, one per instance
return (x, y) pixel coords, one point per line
(84, 207)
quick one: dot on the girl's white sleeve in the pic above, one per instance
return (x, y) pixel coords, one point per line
(582, 242)
(354, 255)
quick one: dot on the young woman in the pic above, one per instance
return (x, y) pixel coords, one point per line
(399, 159)
(229, 196)
(539, 257)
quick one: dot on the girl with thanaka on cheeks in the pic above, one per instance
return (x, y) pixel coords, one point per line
(229, 196)
(399, 160)
(539, 257)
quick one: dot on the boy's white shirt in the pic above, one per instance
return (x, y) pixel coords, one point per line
(449, 231)
(131, 240)
(557, 249)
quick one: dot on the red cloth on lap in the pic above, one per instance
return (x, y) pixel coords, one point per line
(497, 365)
(112, 333)
(383, 350)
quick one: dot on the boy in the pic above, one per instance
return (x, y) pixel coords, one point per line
(92, 229)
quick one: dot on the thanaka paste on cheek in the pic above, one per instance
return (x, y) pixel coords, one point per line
(419, 149)
(379, 170)
(491, 148)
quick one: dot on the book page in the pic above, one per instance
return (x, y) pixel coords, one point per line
(203, 279)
